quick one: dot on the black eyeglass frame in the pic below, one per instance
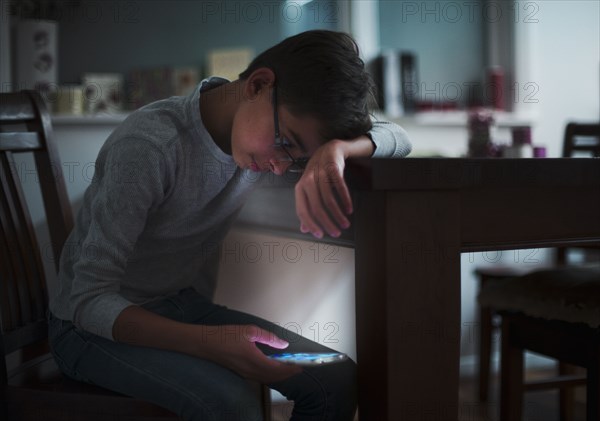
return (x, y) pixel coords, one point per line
(298, 164)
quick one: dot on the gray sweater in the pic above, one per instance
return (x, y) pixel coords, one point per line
(162, 198)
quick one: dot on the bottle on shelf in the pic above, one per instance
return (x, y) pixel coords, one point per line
(480, 140)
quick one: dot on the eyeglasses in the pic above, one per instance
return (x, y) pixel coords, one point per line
(298, 164)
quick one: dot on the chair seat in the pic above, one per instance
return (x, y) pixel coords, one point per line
(570, 294)
(44, 384)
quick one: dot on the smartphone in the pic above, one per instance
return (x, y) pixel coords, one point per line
(310, 358)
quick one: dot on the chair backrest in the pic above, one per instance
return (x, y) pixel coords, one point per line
(581, 139)
(25, 127)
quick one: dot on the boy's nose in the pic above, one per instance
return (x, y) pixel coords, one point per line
(279, 166)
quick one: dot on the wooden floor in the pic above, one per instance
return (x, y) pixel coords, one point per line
(538, 406)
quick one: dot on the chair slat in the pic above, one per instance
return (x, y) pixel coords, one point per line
(17, 225)
(54, 190)
(11, 262)
(8, 295)
(20, 142)
(27, 238)
(15, 263)
(587, 148)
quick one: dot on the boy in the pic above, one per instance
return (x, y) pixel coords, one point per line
(133, 312)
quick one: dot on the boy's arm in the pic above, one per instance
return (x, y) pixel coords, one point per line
(319, 210)
(391, 140)
(232, 346)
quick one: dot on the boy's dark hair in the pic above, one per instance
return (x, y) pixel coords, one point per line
(319, 73)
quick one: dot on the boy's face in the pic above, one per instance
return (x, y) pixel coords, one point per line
(253, 138)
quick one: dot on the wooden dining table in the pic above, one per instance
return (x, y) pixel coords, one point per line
(413, 219)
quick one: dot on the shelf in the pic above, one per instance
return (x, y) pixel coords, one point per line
(88, 120)
(459, 119)
(430, 118)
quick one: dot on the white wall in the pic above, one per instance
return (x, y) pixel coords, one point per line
(304, 286)
(566, 56)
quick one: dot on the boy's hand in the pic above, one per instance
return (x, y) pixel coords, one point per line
(234, 347)
(322, 197)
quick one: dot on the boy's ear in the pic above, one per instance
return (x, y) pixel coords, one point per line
(258, 80)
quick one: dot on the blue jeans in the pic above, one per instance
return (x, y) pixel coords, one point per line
(199, 389)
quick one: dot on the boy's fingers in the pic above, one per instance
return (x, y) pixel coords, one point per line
(307, 223)
(318, 207)
(319, 213)
(344, 195)
(335, 177)
(332, 208)
(314, 215)
(283, 371)
(336, 205)
(268, 338)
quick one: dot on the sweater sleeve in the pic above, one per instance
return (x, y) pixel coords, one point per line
(391, 140)
(129, 181)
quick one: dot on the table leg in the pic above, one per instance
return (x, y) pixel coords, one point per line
(408, 305)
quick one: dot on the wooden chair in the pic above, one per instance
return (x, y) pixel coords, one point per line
(32, 386)
(556, 313)
(579, 140)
